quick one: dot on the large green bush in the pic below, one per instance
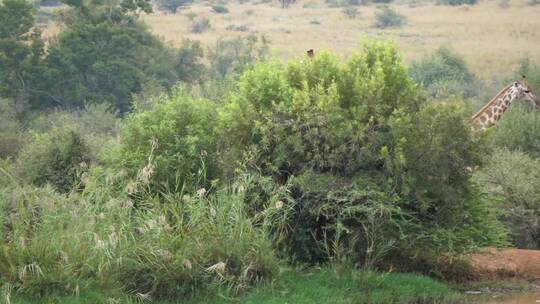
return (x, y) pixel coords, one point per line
(11, 135)
(444, 74)
(103, 55)
(519, 129)
(531, 70)
(232, 56)
(170, 146)
(57, 157)
(173, 5)
(380, 151)
(101, 72)
(20, 50)
(457, 2)
(386, 17)
(513, 177)
(96, 124)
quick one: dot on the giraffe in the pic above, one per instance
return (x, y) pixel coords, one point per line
(490, 114)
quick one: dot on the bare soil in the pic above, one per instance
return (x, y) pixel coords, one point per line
(493, 263)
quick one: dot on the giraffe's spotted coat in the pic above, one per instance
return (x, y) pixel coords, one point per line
(492, 112)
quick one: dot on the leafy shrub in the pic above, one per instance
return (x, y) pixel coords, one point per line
(43, 17)
(350, 12)
(286, 3)
(49, 2)
(170, 146)
(231, 56)
(238, 28)
(365, 156)
(200, 26)
(457, 2)
(344, 3)
(96, 125)
(56, 157)
(220, 9)
(182, 64)
(513, 177)
(310, 4)
(173, 5)
(21, 48)
(105, 55)
(518, 130)
(504, 3)
(11, 135)
(444, 74)
(531, 70)
(191, 16)
(109, 71)
(386, 17)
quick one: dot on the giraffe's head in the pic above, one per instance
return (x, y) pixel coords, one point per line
(523, 91)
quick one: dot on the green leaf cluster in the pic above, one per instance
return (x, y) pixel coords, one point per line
(176, 138)
(362, 126)
(444, 74)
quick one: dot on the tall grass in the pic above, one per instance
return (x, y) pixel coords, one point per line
(174, 246)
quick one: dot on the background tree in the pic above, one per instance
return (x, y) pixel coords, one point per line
(286, 3)
(101, 56)
(173, 5)
(444, 74)
(21, 48)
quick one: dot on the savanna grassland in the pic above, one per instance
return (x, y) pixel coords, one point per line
(198, 156)
(490, 38)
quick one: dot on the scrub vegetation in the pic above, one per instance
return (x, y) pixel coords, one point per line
(134, 171)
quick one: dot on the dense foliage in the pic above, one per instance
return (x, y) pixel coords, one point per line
(457, 2)
(513, 178)
(444, 74)
(56, 157)
(519, 130)
(20, 50)
(173, 141)
(246, 164)
(357, 140)
(11, 137)
(386, 17)
(173, 5)
(103, 56)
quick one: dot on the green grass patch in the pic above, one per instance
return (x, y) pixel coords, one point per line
(306, 286)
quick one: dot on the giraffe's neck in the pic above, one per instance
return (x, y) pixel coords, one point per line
(490, 114)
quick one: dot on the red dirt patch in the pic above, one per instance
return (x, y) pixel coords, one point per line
(494, 263)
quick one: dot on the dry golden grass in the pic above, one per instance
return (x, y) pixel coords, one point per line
(492, 39)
